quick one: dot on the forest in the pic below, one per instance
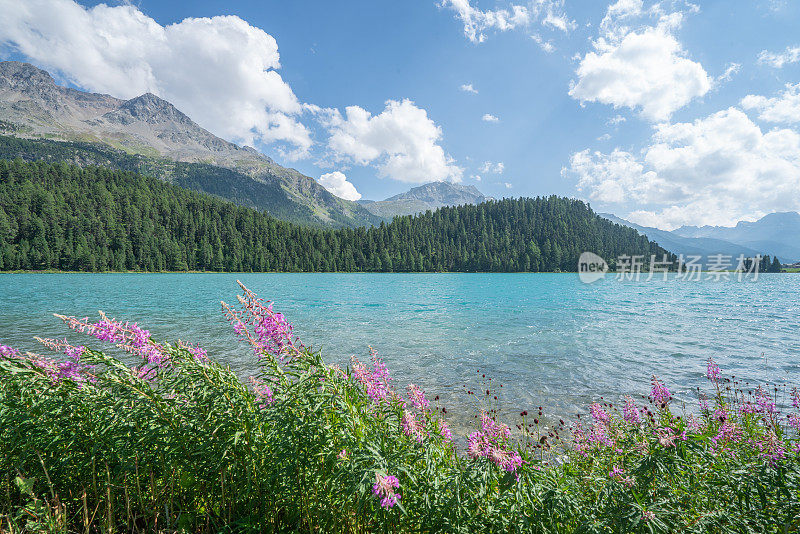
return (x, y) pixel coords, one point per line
(57, 216)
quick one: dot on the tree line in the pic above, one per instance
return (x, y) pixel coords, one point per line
(65, 217)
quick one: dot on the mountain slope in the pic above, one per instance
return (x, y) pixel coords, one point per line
(777, 234)
(426, 197)
(33, 106)
(57, 216)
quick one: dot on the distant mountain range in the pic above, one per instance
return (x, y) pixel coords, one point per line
(33, 106)
(426, 197)
(776, 234)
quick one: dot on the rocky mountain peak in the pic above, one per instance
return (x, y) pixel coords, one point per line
(148, 108)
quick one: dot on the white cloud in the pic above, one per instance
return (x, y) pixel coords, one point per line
(508, 185)
(476, 177)
(779, 59)
(488, 117)
(732, 68)
(640, 66)
(616, 120)
(221, 71)
(604, 137)
(647, 71)
(336, 182)
(402, 141)
(467, 88)
(547, 46)
(549, 13)
(716, 170)
(784, 108)
(493, 168)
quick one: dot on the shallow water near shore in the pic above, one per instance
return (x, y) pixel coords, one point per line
(549, 339)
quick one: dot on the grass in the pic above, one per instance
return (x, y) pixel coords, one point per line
(180, 444)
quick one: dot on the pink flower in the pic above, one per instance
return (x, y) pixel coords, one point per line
(417, 397)
(491, 442)
(412, 428)
(262, 392)
(598, 413)
(712, 370)
(659, 393)
(444, 431)
(385, 487)
(630, 412)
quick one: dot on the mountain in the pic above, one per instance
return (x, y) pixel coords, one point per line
(33, 106)
(426, 197)
(777, 234)
(688, 246)
(59, 216)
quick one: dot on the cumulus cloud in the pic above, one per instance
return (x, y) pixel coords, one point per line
(467, 88)
(494, 168)
(221, 71)
(488, 117)
(402, 141)
(716, 170)
(639, 67)
(549, 13)
(784, 108)
(779, 59)
(336, 182)
(507, 185)
(616, 120)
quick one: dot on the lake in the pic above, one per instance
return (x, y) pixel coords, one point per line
(549, 339)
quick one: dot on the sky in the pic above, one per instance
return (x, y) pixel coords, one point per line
(664, 113)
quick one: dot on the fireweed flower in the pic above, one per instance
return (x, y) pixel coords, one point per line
(263, 392)
(8, 353)
(417, 397)
(796, 397)
(619, 475)
(598, 413)
(127, 336)
(444, 431)
(265, 330)
(712, 370)
(491, 442)
(412, 427)
(384, 488)
(629, 411)
(375, 381)
(659, 393)
(342, 454)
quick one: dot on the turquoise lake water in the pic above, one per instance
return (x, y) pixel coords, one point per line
(549, 339)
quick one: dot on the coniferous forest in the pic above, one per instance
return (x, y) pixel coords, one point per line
(64, 217)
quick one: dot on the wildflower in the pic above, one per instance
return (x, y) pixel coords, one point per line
(412, 428)
(417, 397)
(444, 431)
(342, 454)
(629, 412)
(200, 354)
(794, 421)
(491, 442)
(598, 413)
(262, 392)
(376, 381)
(8, 353)
(129, 337)
(647, 515)
(667, 437)
(796, 397)
(619, 475)
(712, 370)
(659, 393)
(271, 333)
(385, 488)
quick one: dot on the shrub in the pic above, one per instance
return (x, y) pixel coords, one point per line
(181, 443)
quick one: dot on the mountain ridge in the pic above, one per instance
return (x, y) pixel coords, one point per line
(33, 106)
(422, 198)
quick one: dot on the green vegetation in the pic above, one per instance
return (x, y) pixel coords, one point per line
(65, 217)
(180, 444)
(265, 194)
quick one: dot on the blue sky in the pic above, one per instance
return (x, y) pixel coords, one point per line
(666, 113)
